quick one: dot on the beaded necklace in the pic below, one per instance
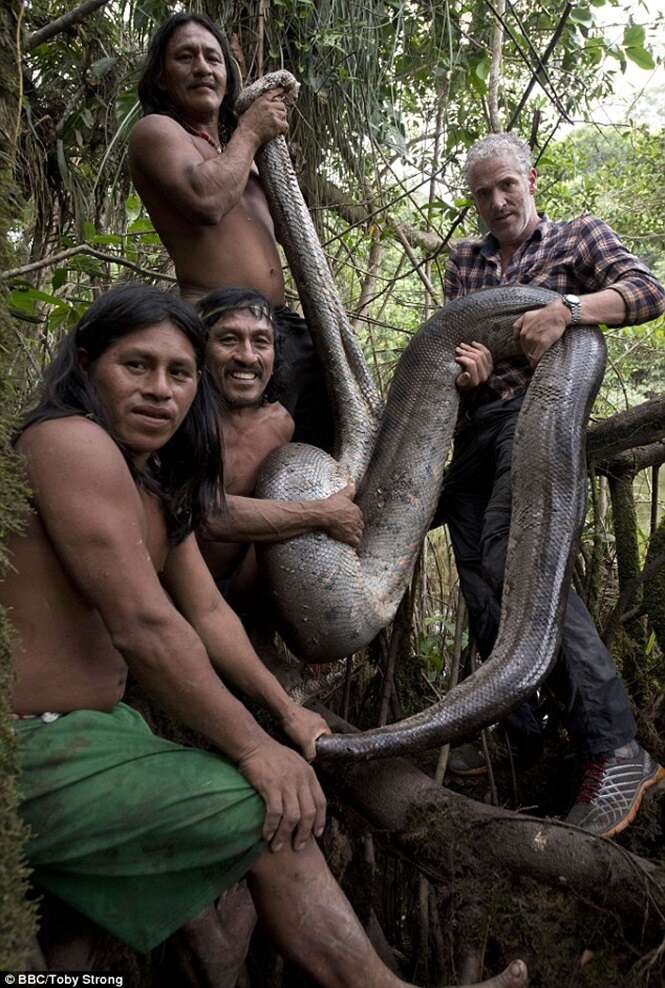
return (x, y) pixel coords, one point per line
(205, 136)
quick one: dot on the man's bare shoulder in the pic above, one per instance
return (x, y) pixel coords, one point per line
(65, 449)
(156, 131)
(279, 419)
(56, 433)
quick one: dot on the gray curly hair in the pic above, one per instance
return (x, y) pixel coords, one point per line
(495, 145)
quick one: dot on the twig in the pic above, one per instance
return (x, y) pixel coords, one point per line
(389, 680)
(408, 250)
(62, 23)
(260, 31)
(554, 96)
(47, 262)
(483, 740)
(653, 521)
(28, 352)
(460, 621)
(19, 71)
(422, 957)
(347, 688)
(541, 64)
(627, 596)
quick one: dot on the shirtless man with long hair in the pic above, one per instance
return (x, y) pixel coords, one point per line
(137, 833)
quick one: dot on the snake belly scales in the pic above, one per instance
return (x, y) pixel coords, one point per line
(331, 599)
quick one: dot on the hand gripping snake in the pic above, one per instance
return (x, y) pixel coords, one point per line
(331, 599)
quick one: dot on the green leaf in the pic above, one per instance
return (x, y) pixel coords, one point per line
(595, 52)
(476, 83)
(581, 15)
(634, 36)
(106, 238)
(641, 57)
(86, 264)
(102, 66)
(141, 225)
(59, 278)
(89, 232)
(482, 69)
(25, 299)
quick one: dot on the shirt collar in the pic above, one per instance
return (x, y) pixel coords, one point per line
(490, 245)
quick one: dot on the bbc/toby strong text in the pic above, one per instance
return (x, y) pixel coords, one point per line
(72, 979)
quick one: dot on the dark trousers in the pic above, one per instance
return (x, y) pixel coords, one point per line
(304, 394)
(475, 504)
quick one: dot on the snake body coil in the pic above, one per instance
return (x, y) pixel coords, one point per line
(333, 600)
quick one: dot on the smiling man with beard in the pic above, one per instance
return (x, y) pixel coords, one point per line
(244, 353)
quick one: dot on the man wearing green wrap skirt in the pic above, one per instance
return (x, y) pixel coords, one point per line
(139, 834)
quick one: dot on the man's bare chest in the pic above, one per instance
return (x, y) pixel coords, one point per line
(245, 449)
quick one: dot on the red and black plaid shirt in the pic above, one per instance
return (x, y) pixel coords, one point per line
(582, 256)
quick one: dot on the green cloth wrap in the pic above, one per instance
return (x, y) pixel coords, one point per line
(136, 832)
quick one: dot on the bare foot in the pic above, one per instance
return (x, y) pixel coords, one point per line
(515, 976)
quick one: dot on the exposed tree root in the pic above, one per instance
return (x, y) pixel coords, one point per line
(436, 828)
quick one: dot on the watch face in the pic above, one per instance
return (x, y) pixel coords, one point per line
(574, 299)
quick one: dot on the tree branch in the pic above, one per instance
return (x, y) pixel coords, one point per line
(553, 96)
(61, 24)
(331, 197)
(627, 596)
(52, 259)
(540, 64)
(637, 426)
(408, 250)
(495, 71)
(632, 461)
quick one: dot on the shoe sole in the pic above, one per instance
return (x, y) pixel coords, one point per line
(656, 782)
(466, 773)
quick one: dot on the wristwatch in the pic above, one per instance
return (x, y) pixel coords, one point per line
(573, 303)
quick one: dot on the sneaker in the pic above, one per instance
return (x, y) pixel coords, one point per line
(467, 760)
(612, 790)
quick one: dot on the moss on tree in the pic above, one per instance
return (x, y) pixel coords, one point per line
(654, 588)
(17, 919)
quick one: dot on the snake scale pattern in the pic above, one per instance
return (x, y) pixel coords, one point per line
(333, 600)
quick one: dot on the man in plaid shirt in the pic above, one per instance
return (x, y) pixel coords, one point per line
(598, 281)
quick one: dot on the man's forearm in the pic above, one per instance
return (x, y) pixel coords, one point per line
(252, 519)
(606, 306)
(218, 183)
(232, 654)
(169, 660)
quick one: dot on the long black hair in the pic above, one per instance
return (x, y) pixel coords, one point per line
(222, 300)
(186, 473)
(155, 99)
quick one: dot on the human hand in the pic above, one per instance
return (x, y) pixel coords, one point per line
(539, 329)
(266, 117)
(342, 519)
(476, 362)
(304, 727)
(295, 804)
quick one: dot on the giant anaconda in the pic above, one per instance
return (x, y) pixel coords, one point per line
(333, 600)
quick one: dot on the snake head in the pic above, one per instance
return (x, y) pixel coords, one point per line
(282, 78)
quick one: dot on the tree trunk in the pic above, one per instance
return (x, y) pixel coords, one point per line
(17, 919)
